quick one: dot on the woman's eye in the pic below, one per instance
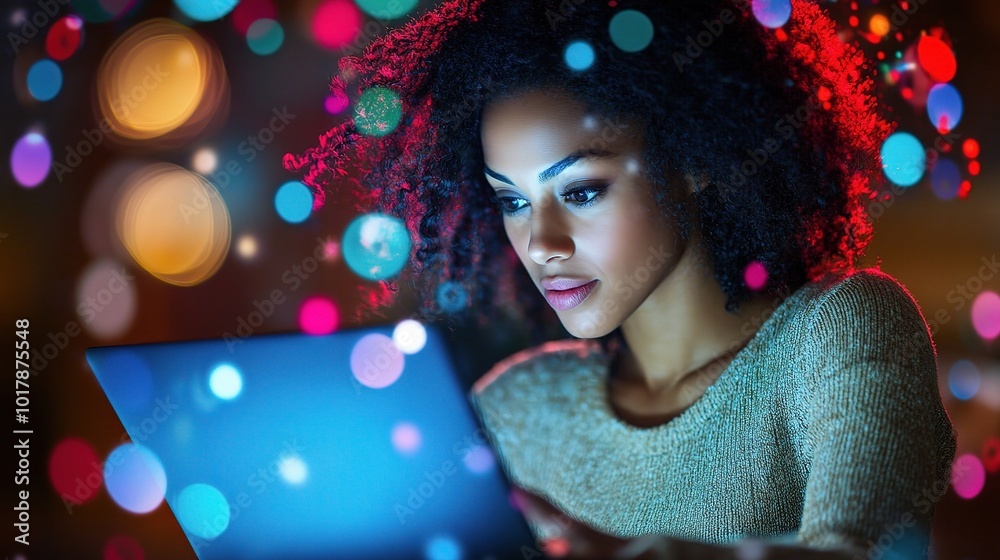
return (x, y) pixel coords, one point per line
(505, 206)
(582, 197)
(587, 195)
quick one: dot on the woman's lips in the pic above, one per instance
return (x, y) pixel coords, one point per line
(568, 299)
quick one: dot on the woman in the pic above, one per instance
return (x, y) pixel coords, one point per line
(686, 189)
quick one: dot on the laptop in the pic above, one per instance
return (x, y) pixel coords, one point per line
(349, 445)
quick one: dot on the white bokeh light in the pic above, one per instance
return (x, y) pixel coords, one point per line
(410, 336)
(225, 382)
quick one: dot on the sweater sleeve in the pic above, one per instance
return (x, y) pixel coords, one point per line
(880, 441)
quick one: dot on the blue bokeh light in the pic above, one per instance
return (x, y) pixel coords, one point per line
(265, 36)
(772, 13)
(579, 55)
(944, 107)
(964, 379)
(631, 30)
(135, 478)
(202, 510)
(903, 159)
(293, 201)
(376, 246)
(200, 10)
(44, 80)
(443, 548)
(946, 179)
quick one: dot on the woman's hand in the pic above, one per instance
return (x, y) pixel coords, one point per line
(576, 540)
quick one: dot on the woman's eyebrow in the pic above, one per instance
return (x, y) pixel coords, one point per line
(558, 167)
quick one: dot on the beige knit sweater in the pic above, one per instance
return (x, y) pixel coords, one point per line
(826, 430)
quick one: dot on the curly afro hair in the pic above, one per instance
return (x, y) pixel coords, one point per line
(780, 127)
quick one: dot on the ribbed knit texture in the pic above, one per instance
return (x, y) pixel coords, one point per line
(826, 430)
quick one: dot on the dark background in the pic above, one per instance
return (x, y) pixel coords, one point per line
(930, 245)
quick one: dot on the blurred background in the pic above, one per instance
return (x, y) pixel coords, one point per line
(116, 109)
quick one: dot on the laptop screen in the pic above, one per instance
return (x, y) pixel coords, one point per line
(349, 445)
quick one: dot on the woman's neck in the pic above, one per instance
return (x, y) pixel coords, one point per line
(683, 328)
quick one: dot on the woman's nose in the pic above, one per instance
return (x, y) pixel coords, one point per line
(549, 235)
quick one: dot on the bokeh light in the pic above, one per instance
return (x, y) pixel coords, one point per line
(64, 38)
(879, 25)
(964, 379)
(225, 381)
(755, 275)
(378, 111)
(946, 179)
(968, 476)
(631, 30)
(579, 55)
(406, 438)
(75, 471)
(936, 58)
(336, 23)
(202, 510)
(443, 548)
(970, 148)
(944, 107)
(318, 315)
(123, 547)
(986, 315)
(376, 361)
(265, 36)
(161, 80)
(106, 299)
(772, 13)
(31, 159)
(174, 224)
(44, 80)
(200, 10)
(249, 11)
(205, 161)
(387, 9)
(903, 159)
(246, 246)
(293, 470)
(135, 478)
(479, 459)
(293, 201)
(410, 336)
(991, 455)
(451, 296)
(376, 246)
(336, 102)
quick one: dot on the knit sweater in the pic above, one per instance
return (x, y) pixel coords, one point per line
(826, 429)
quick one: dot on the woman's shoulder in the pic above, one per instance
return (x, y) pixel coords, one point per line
(539, 365)
(864, 303)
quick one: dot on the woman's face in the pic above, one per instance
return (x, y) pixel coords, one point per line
(577, 207)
